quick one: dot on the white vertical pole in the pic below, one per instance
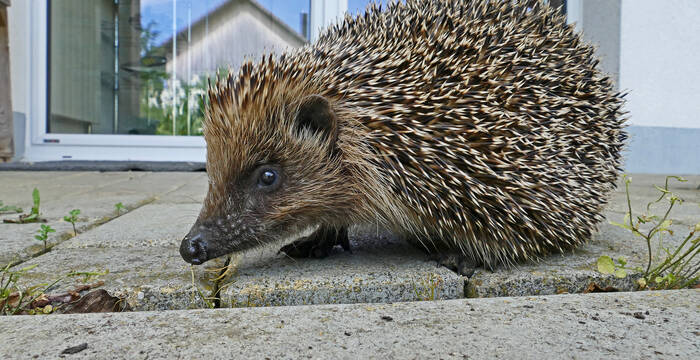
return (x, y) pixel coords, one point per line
(115, 121)
(206, 36)
(324, 13)
(174, 77)
(574, 13)
(189, 63)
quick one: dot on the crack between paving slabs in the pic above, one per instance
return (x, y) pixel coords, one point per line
(216, 291)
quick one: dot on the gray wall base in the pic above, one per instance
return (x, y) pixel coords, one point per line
(663, 150)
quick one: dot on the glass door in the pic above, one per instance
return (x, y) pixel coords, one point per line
(140, 67)
(126, 79)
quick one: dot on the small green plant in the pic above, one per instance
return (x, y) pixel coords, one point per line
(607, 265)
(429, 288)
(34, 300)
(44, 234)
(33, 215)
(208, 301)
(9, 209)
(87, 275)
(72, 218)
(119, 207)
(674, 268)
(14, 300)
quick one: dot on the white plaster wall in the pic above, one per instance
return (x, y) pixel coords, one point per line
(660, 62)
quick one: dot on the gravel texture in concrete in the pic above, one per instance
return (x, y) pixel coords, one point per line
(380, 268)
(639, 325)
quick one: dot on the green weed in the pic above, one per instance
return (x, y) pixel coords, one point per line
(44, 234)
(14, 300)
(674, 268)
(119, 207)
(9, 209)
(72, 218)
(33, 215)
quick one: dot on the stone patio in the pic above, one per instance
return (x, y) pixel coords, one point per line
(136, 252)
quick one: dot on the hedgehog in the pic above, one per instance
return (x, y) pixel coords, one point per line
(482, 131)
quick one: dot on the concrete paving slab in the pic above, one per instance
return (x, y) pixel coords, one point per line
(17, 187)
(18, 243)
(687, 212)
(572, 272)
(152, 225)
(107, 166)
(149, 278)
(379, 269)
(140, 250)
(153, 184)
(193, 191)
(641, 325)
(11, 177)
(94, 193)
(647, 181)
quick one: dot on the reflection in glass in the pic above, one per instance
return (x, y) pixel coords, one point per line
(141, 66)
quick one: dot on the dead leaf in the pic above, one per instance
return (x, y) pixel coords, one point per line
(595, 288)
(97, 301)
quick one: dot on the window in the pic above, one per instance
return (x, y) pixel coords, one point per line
(141, 66)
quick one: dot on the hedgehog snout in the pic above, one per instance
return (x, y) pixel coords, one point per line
(193, 249)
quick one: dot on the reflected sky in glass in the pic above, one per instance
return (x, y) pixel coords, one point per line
(160, 12)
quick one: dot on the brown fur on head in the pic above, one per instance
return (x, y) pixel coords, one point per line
(274, 162)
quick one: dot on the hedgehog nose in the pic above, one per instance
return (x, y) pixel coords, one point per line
(193, 249)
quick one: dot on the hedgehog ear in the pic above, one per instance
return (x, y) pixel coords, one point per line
(315, 113)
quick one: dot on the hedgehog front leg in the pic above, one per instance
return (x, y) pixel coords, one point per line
(319, 244)
(457, 262)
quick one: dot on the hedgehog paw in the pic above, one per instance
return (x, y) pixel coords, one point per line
(459, 263)
(319, 244)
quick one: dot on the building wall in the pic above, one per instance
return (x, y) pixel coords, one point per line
(660, 62)
(660, 68)
(652, 50)
(325, 13)
(230, 41)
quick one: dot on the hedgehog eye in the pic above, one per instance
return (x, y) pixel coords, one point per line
(268, 177)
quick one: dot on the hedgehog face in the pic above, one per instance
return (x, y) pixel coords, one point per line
(271, 176)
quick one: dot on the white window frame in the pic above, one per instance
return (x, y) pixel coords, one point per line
(43, 146)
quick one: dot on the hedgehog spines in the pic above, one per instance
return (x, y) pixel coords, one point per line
(482, 126)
